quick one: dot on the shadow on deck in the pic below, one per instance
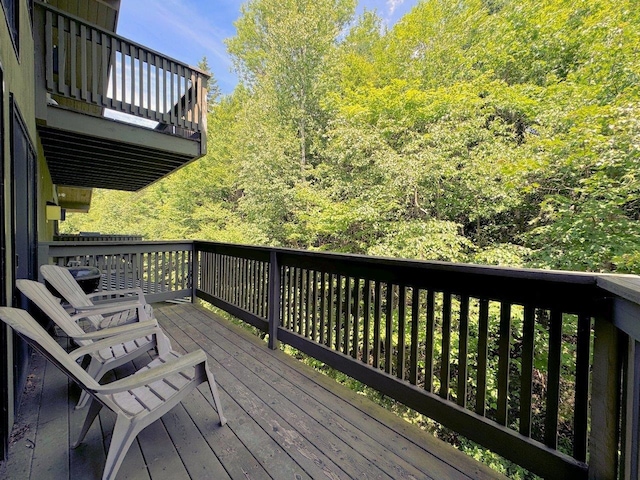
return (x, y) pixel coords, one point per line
(285, 421)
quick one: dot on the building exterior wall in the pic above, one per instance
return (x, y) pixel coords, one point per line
(17, 65)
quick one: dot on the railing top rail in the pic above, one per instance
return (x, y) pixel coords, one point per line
(584, 278)
(624, 286)
(119, 37)
(111, 243)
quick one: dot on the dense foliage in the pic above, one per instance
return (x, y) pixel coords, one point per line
(489, 131)
(484, 131)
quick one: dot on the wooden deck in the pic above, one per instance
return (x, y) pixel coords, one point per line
(286, 421)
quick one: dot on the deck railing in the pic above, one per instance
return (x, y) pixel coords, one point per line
(87, 63)
(162, 269)
(95, 237)
(540, 367)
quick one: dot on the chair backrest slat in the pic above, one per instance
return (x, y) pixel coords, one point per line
(39, 295)
(25, 325)
(67, 286)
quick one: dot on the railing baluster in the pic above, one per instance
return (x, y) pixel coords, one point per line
(104, 93)
(156, 272)
(366, 329)
(553, 379)
(400, 357)
(330, 311)
(415, 312)
(348, 320)
(263, 287)
(163, 271)
(179, 99)
(463, 350)
(131, 61)
(95, 79)
(172, 97)
(84, 94)
(339, 319)
(307, 303)
(49, 73)
(242, 291)
(356, 321)
(445, 360)
(256, 281)
(142, 111)
(581, 410)
(377, 318)
(62, 57)
(504, 343)
(289, 315)
(73, 59)
(295, 310)
(157, 108)
(483, 354)
(114, 73)
(173, 280)
(314, 307)
(123, 74)
(528, 337)
(430, 326)
(388, 345)
(301, 298)
(323, 307)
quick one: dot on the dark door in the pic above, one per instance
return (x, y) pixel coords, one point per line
(23, 188)
(4, 361)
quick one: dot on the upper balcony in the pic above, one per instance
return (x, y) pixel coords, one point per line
(112, 113)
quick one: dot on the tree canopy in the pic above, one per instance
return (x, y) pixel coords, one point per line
(490, 131)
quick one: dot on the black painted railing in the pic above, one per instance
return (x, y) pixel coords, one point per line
(540, 367)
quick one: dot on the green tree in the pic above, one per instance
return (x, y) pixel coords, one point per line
(280, 51)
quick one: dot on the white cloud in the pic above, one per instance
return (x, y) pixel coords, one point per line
(393, 4)
(179, 20)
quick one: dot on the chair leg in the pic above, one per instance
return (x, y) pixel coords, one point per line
(93, 412)
(163, 344)
(124, 433)
(216, 397)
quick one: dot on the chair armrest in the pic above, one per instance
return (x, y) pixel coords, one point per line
(150, 375)
(111, 341)
(137, 290)
(119, 304)
(114, 331)
(104, 310)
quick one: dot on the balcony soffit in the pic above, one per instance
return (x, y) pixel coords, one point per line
(93, 152)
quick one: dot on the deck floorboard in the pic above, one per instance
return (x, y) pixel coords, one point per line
(285, 420)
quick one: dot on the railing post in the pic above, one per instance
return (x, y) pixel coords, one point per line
(605, 401)
(274, 300)
(631, 412)
(195, 265)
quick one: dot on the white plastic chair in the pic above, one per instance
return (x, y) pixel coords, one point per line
(106, 354)
(131, 307)
(137, 400)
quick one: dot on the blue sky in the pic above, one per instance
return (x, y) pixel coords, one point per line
(188, 30)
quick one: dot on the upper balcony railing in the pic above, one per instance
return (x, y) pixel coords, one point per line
(86, 63)
(540, 367)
